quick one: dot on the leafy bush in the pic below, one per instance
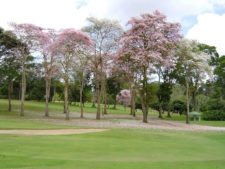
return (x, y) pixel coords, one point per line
(178, 106)
(138, 106)
(155, 106)
(56, 97)
(214, 109)
(217, 115)
(110, 99)
(216, 104)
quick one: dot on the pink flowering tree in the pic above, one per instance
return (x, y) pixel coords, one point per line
(124, 97)
(124, 65)
(44, 40)
(81, 69)
(39, 40)
(149, 41)
(191, 63)
(68, 44)
(105, 34)
(26, 34)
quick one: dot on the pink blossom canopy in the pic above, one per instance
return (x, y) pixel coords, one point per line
(150, 39)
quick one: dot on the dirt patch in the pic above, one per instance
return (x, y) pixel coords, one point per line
(117, 121)
(135, 123)
(51, 132)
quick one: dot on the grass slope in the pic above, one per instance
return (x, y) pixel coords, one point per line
(23, 123)
(56, 108)
(35, 106)
(115, 149)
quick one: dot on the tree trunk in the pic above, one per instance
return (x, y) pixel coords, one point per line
(160, 104)
(160, 110)
(144, 97)
(20, 89)
(94, 98)
(81, 96)
(93, 104)
(168, 113)
(105, 103)
(47, 95)
(104, 95)
(194, 99)
(23, 92)
(187, 100)
(66, 109)
(115, 103)
(131, 99)
(132, 107)
(98, 93)
(145, 115)
(64, 104)
(9, 95)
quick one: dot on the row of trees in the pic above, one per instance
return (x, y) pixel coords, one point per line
(110, 56)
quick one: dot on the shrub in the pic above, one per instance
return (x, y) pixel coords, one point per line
(216, 115)
(56, 97)
(155, 106)
(178, 106)
(214, 109)
(216, 104)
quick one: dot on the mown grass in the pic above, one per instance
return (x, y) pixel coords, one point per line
(24, 123)
(56, 108)
(34, 114)
(210, 123)
(113, 149)
(177, 117)
(35, 106)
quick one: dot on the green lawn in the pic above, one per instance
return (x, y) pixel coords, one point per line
(177, 117)
(23, 123)
(35, 106)
(115, 149)
(56, 108)
(210, 123)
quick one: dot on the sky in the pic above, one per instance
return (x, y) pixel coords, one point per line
(201, 20)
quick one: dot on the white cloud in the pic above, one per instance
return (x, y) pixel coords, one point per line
(122, 10)
(72, 13)
(210, 30)
(218, 2)
(46, 13)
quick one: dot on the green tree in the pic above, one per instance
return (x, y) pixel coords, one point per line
(113, 87)
(9, 63)
(105, 33)
(164, 94)
(191, 62)
(220, 76)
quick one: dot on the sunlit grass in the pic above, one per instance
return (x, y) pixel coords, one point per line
(113, 149)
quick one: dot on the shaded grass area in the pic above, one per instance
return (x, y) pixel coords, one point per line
(210, 123)
(113, 149)
(57, 108)
(34, 113)
(117, 148)
(177, 117)
(35, 106)
(23, 123)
